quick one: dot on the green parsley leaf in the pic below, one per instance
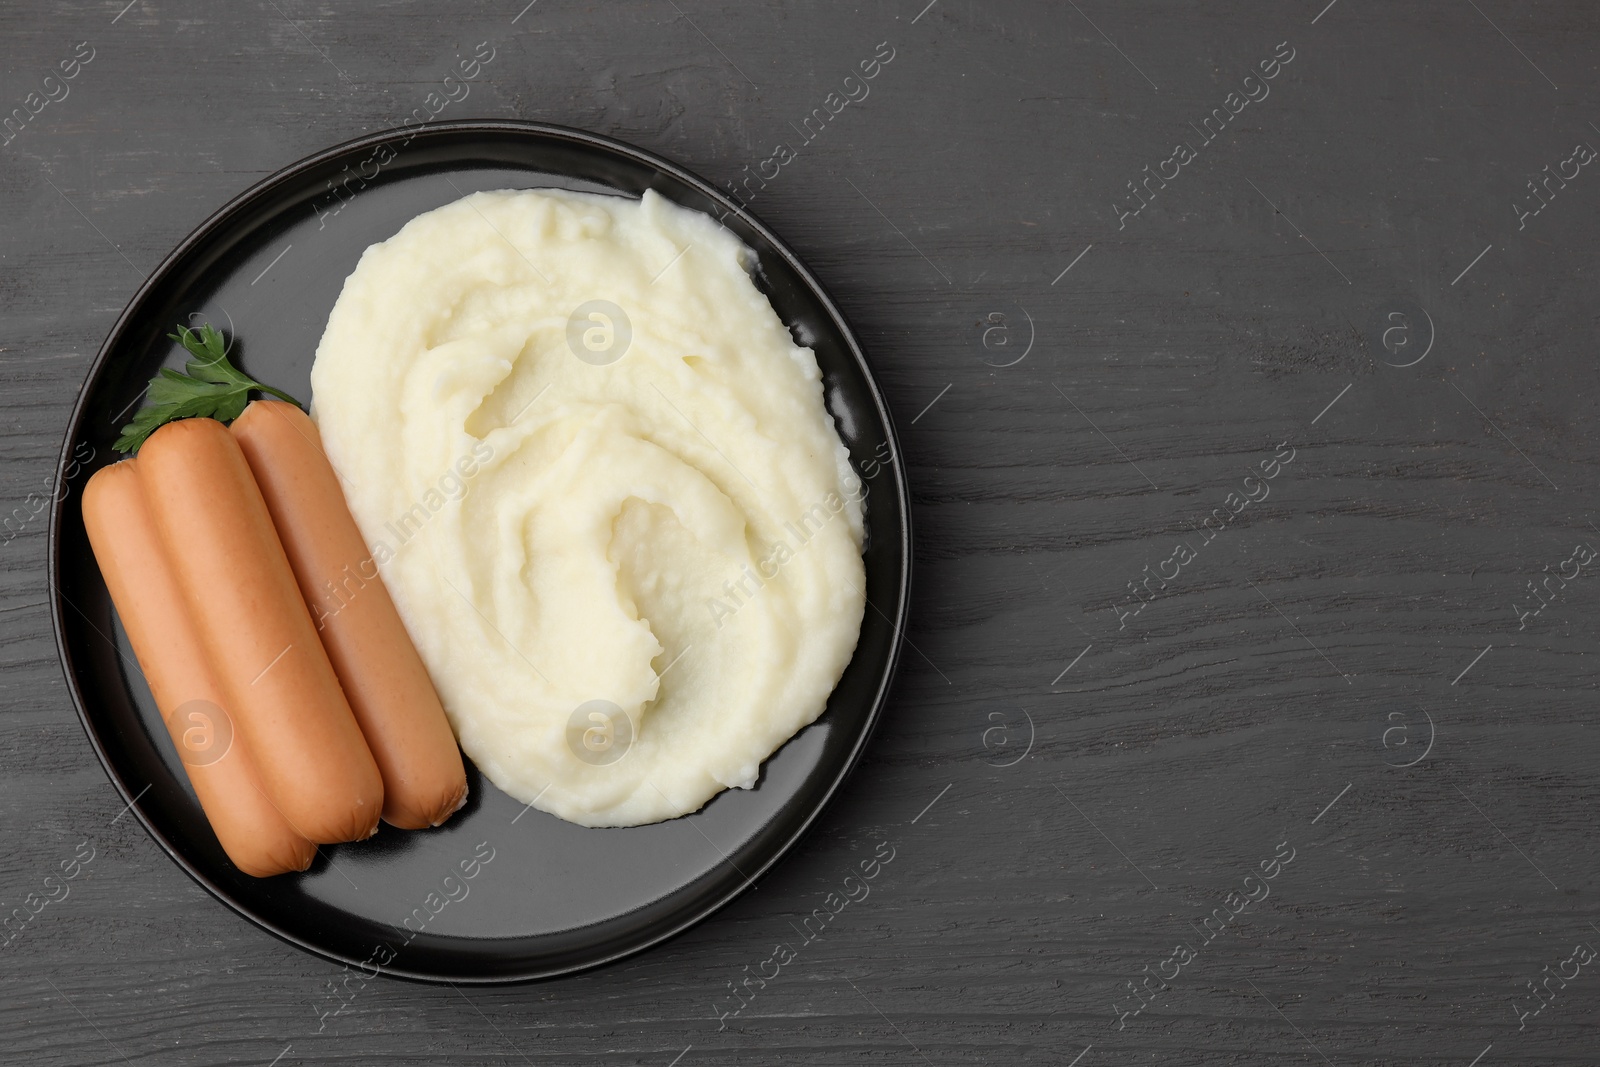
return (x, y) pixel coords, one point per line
(208, 387)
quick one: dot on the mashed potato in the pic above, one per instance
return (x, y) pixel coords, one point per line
(599, 480)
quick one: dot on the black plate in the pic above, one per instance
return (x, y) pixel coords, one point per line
(554, 897)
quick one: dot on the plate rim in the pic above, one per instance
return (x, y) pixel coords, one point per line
(543, 130)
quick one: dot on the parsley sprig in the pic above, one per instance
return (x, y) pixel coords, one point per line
(208, 386)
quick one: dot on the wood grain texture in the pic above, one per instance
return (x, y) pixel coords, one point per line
(1266, 681)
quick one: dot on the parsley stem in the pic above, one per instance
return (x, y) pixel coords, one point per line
(279, 393)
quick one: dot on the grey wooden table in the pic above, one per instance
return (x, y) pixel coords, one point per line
(1247, 387)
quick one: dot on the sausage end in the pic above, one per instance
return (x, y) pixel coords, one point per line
(296, 857)
(437, 815)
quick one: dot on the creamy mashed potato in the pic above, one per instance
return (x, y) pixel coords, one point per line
(599, 480)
